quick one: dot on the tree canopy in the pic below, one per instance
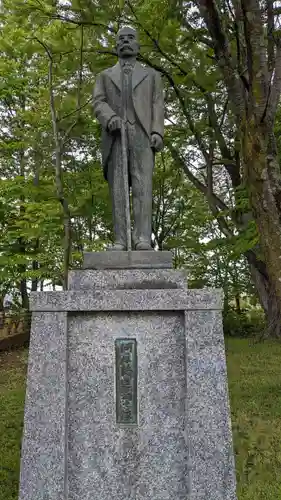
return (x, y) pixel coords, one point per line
(216, 201)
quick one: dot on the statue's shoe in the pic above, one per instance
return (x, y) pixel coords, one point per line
(117, 247)
(143, 245)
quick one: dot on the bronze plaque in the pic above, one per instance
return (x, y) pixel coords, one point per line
(126, 381)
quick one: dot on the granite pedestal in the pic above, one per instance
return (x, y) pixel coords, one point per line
(177, 445)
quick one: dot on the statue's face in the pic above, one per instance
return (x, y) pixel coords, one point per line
(127, 44)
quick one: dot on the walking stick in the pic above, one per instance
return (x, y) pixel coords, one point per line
(126, 186)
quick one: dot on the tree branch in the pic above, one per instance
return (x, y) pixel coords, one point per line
(58, 168)
(75, 110)
(270, 37)
(67, 19)
(156, 43)
(79, 88)
(275, 90)
(229, 162)
(193, 33)
(256, 56)
(198, 184)
(210, 14)
(187, 115)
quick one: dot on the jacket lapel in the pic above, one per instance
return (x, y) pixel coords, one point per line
(139, 74)
(115, 75)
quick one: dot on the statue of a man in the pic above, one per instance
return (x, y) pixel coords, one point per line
(131, 94)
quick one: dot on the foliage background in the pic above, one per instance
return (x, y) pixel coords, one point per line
(54, 203)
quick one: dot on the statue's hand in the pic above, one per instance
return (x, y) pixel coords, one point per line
(115, 123)
(156, 142)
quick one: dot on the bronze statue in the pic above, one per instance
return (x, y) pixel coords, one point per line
(129, 97)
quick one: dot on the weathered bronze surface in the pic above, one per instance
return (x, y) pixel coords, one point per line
(128, 98)
(126, 381)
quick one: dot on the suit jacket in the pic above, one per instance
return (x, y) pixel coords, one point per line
(148, 102)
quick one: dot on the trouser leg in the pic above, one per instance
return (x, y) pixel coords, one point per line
(141, 163)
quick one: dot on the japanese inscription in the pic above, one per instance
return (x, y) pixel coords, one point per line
(126, 381)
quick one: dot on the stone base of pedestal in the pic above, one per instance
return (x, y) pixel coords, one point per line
(148, 259)
(127, 391)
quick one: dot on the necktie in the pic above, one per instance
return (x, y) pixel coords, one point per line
(128, 68)
(127, 92)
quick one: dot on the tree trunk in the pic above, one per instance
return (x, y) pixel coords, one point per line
(24, 295)
(35, 267)
(38, 157)
(34, 281)
(273, 318)
(67, 248)
(90, 229)
(254, 100)
(264, 184)
(237, 303)
(267, 296)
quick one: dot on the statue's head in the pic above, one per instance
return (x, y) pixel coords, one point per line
(127, 44)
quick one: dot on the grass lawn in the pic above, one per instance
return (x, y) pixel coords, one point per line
(255, 391)
(13, 366)
(254, 374)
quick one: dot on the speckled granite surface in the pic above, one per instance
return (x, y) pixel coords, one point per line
(147, 461)
(127, 279)
(44, 436)
(181, 448)
(126, 300)
(208, 430)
